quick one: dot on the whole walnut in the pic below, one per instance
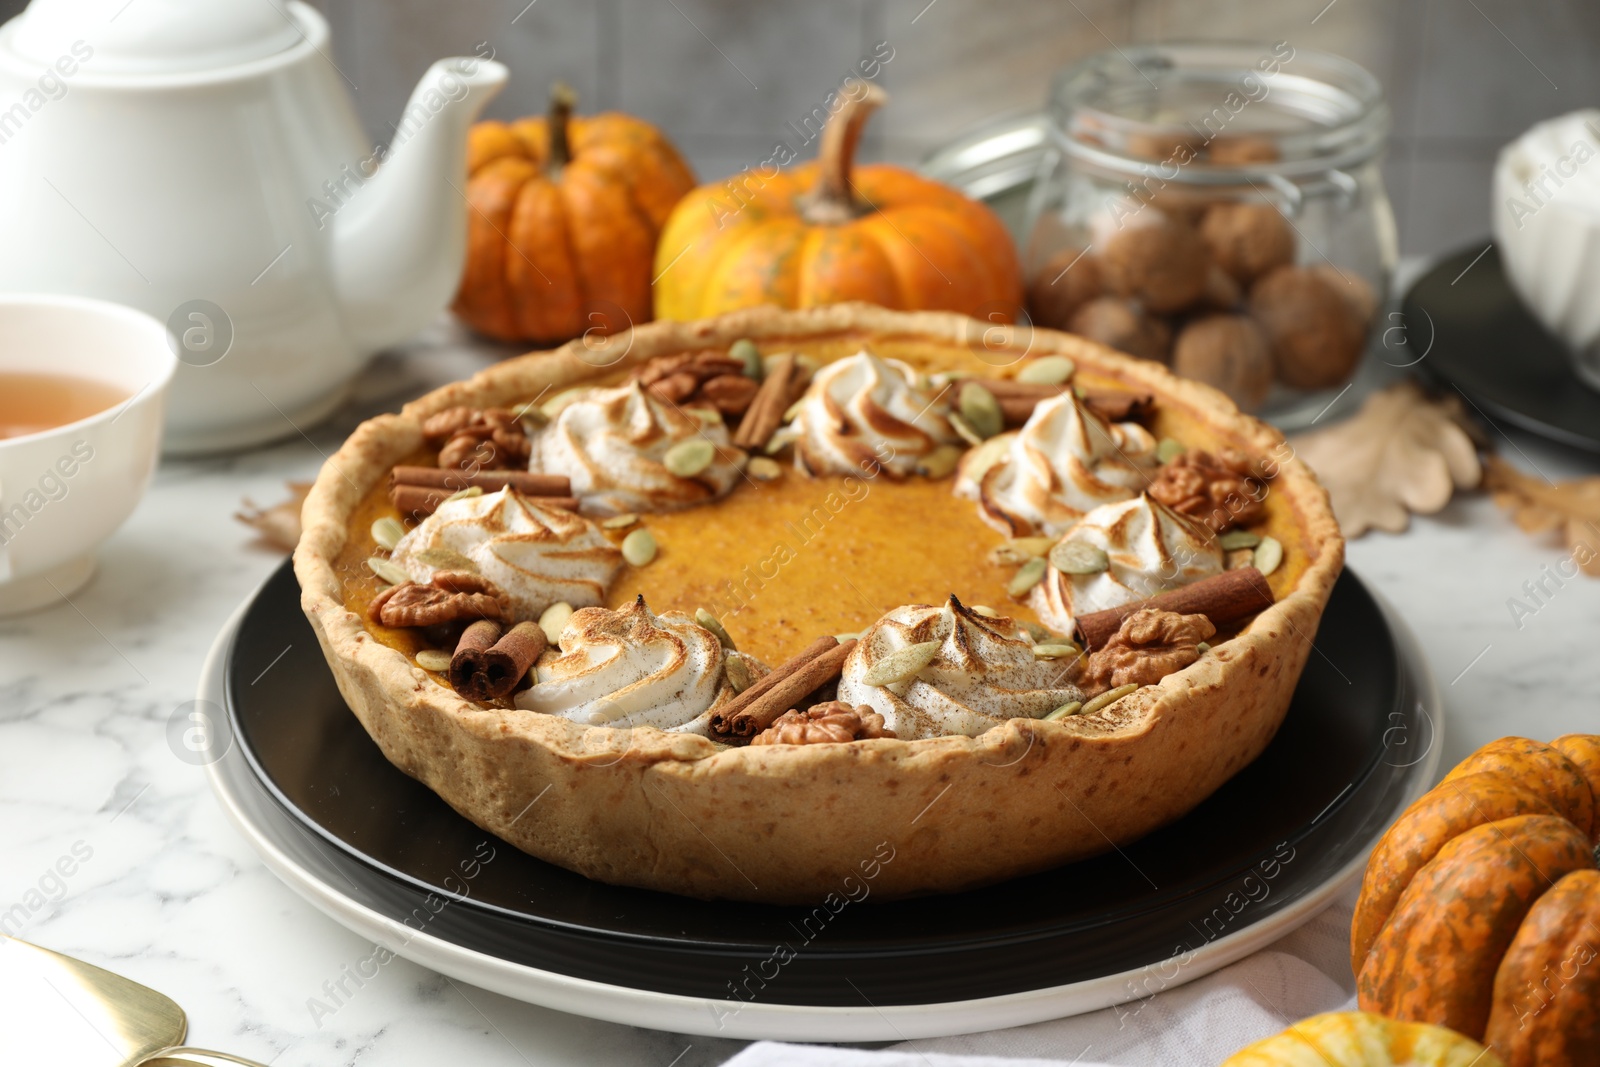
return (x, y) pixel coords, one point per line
(1222, 292)
(1123, 325)
(1150, 645)
(1315, 340)
(1229, 352)
(1359, 296)
(1247, 239)
(1068, 280)
(1241, 151)
(1156, 259)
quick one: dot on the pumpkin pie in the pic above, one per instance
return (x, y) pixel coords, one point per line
(919, 582)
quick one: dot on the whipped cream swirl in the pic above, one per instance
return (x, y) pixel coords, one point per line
(980, 677)
(612, 444)
(1151, 549)
(862, 413)
(537, 555)
(630, 667)
(1062, 463)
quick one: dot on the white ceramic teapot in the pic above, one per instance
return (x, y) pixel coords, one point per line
(201, 160)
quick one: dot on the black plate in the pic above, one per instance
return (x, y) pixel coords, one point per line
(1469, 330)
(1330, 781)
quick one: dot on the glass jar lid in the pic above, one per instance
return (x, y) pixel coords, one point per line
(1211, 113)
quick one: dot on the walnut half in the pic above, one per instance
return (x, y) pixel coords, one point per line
(450, 597)
(1150, 645)
(1221, 489)
(827, 723)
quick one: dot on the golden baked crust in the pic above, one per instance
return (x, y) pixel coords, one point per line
(786, 824)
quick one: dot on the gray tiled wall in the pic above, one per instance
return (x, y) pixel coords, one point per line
(723, 77)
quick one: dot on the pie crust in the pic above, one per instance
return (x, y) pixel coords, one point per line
(789, 824)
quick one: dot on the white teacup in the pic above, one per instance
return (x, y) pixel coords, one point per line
(64, 490)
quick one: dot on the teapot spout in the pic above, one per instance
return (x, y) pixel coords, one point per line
(399, 247)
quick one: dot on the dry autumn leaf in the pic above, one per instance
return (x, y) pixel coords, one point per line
(279, 525)
(1402, 454)
(1538, 506)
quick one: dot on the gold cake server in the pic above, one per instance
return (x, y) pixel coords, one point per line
(55, 1009)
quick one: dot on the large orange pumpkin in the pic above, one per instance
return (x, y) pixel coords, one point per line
(1361, 1039)
(1485, 888)
(829, 231)
(565, 215)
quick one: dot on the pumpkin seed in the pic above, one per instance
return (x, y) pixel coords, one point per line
(1203, 647)
(738, 672)
(1038, 633)
(533, 419)
(710, 622)
(1048, 370)
(901, 665)
(1109, 697)
(557, 404)
(1269, 553)
(388, 570)
(1168, 449)
(745, 351)
(842, 638)
(981, 410)
(387, 532)
(793, 411)
(639, 547)
(1079, 557)
(1026, 578)
(554, 620)
(1238, 539)
(463, 494)
(620, 522)
(434, 659)
(1065, 711)
(441, 558)
(764, 468)
(940, 463)
(986, 455)
(688, 458)
(1019, 550)
(781, 440)
(964, 430)
(1056, 650)
(983, 609)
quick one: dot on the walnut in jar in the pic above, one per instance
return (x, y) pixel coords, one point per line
(1068, 280)
(1315, 339)
(1157, 260)
(1247, 239)
(1123, 325)
(1229, 352)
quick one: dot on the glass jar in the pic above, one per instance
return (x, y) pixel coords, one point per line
(1218, 207)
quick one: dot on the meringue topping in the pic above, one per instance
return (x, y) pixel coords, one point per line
(1150, 549)
(612, 444)
(980, 676)
(862, 413)
(630, 667)
(536, 555)
(1062, 463)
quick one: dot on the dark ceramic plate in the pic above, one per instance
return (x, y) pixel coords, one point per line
(1332, 779)
(1468, 330)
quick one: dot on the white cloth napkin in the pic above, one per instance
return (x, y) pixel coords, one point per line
(1195, 1025)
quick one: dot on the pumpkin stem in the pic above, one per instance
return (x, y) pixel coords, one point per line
(563, 98)
(833, 199)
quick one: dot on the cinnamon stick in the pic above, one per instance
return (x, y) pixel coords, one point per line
(420, 500)
(1119, 407)
(528, 483)
(764, 710)
(765, 413)
(507, 663)
(1226, 598)
(466, 666)
(722, 719)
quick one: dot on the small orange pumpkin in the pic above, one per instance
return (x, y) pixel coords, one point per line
(565, 215)
(1361, 1039)
(828, 232)
(1485, 888)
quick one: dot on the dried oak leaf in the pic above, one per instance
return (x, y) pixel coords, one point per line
(1538, 506)
(279, 525)
(1402, 454)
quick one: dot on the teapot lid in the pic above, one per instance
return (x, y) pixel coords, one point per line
(154, 36)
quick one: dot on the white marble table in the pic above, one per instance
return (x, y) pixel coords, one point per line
(170, 895)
